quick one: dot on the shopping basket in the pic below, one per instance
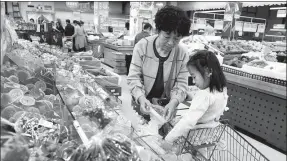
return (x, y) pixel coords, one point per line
(221, 143)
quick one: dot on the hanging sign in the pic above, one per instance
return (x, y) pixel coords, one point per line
(238, 25)
(247, 26)
(253, 27)
(201, 23)
(281, 13)
(261, 28)
(218, 25)
(227, 17)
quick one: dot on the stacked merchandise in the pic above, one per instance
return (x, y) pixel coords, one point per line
(248, 56)
(41, 101)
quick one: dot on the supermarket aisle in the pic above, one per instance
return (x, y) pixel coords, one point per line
(270, 153)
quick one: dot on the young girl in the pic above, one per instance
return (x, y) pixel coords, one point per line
(209, 103)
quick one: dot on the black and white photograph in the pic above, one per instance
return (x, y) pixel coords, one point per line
(143, 80)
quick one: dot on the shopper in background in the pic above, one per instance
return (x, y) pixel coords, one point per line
(152, 63)
(80, 37)
(69, 31)
(145, 33)
(32, 21)
(86, 36)
(34, 24)
(74, 42)
(126, 31)
(209, 103)
(60, 28)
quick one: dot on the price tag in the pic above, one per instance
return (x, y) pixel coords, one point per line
(247, 27)
(261, 28)
(218, 25)
(46, 123)
(238, 26)
(201, 23)
(253, 27)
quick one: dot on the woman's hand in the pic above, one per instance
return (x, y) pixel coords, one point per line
(170, 109)
(144, 105)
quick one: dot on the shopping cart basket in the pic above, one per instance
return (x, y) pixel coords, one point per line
(221, 143)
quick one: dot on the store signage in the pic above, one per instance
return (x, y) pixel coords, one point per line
(238, 25)
(247, 27)
(218, 25)
(261, 28)
(73, 5)
(253, 27)
(281, 13)
(279, 26)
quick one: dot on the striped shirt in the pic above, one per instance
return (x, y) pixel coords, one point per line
(144, 66)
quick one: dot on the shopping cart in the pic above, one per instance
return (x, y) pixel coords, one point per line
(221, 143)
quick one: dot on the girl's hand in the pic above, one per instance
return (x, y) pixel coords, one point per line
(189, 96)
(167, 146)
(170, 109)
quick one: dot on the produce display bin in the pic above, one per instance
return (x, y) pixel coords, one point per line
(257, 105)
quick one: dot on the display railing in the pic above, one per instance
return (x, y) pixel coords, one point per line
(254, 76)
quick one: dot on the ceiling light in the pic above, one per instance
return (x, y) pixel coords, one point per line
(278, 8)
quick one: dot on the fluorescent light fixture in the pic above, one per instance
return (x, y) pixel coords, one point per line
(278, 8)
(212, 11)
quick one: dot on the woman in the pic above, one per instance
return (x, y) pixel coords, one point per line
(83, 29)
(59, 27)
(80, 37)
(126, 31)
(159, 52)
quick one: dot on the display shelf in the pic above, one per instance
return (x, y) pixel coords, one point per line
(260, 110)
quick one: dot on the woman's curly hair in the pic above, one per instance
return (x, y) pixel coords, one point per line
(172, 19)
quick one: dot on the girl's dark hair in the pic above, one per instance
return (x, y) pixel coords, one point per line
(207, 59)
(170, 19)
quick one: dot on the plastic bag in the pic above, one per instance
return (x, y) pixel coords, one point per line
(115, 147)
